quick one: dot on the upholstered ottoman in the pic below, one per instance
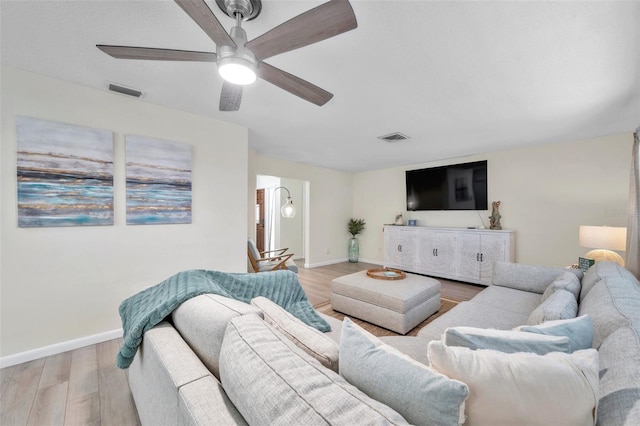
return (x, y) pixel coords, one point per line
(397, 305)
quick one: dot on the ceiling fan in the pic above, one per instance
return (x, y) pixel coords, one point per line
(240, 62)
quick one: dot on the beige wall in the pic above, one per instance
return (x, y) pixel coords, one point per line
(546, 193)
(62, 284)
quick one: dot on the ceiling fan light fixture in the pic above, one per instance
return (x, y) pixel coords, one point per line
(237, 71)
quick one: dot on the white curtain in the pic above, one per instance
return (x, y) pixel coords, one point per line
(633, 223)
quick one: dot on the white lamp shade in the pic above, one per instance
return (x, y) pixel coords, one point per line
(603, 237)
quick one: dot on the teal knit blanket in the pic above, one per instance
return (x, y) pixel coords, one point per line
(146, 309)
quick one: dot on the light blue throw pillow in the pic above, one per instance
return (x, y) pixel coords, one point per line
(578, 330)
(506, 341)
(420, 394)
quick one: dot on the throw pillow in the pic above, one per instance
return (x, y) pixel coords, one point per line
(310, 340)
(271, 381)
(505, 340)
(566, 281)
(578, 330)
(420, 394)
(511, 389)
(560, 305)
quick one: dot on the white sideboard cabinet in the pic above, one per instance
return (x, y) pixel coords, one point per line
(455, 253)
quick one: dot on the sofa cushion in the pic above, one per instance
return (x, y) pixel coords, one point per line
(527, 277)
(499, 398)
(505, 340)
(620, 377)
(310, 340)
(202, 321)
(272, 381)
(578, 330)
(612, 303)
(414, 347)
(203, 402)
(473, 315)
(600, 270)
(508, 299)
(420, 394)
(560, 305)
(566, 281)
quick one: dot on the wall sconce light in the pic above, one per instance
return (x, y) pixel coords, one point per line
(604, 239)
(287, 209)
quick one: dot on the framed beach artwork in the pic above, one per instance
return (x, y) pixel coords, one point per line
(64, 173)
(158, 181)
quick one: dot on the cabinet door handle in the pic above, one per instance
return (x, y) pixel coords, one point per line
(433, 252)
(477, 257)
(400, 248)
(481, 258)
(436, 252)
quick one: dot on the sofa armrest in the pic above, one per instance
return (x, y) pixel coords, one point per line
(163, 364)
(532, 278)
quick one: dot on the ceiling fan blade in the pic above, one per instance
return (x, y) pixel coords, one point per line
(294, 85)
(230, 97)
(325, 21)
(153, 54)
(204, 17)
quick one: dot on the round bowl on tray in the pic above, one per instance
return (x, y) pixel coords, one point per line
(386, 274)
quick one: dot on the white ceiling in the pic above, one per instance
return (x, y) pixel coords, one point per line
(458, 77)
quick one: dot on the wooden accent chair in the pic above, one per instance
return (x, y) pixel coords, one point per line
(275, 259)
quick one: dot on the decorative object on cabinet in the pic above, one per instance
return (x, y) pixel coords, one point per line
(399, 219)
(604, 239)
(494, 219)
(355, 227)
(64, 173)
(158, 181)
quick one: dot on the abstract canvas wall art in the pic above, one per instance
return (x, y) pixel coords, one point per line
(65, 174)
(158, 181)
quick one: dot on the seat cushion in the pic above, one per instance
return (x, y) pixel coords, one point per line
(508, 299)
(472, 314)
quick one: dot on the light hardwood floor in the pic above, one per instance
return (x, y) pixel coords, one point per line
(84, 386)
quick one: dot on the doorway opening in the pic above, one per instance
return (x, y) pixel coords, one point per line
(273, 231)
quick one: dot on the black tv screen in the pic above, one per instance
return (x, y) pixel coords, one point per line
(453, 187)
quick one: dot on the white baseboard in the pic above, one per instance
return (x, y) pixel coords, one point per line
(58, 348)
(334, 261)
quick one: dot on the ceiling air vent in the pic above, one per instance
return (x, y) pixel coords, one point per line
(123, 90)
(394, 137)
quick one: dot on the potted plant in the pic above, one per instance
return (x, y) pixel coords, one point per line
(355, 227)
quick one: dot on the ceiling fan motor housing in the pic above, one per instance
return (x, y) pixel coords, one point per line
(236, 56)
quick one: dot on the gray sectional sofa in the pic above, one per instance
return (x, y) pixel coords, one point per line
(220, 361)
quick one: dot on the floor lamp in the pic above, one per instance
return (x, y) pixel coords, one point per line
(287, 210)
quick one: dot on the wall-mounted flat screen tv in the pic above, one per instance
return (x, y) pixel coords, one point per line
(453, 187)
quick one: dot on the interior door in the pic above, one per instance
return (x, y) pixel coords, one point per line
(260, 219)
